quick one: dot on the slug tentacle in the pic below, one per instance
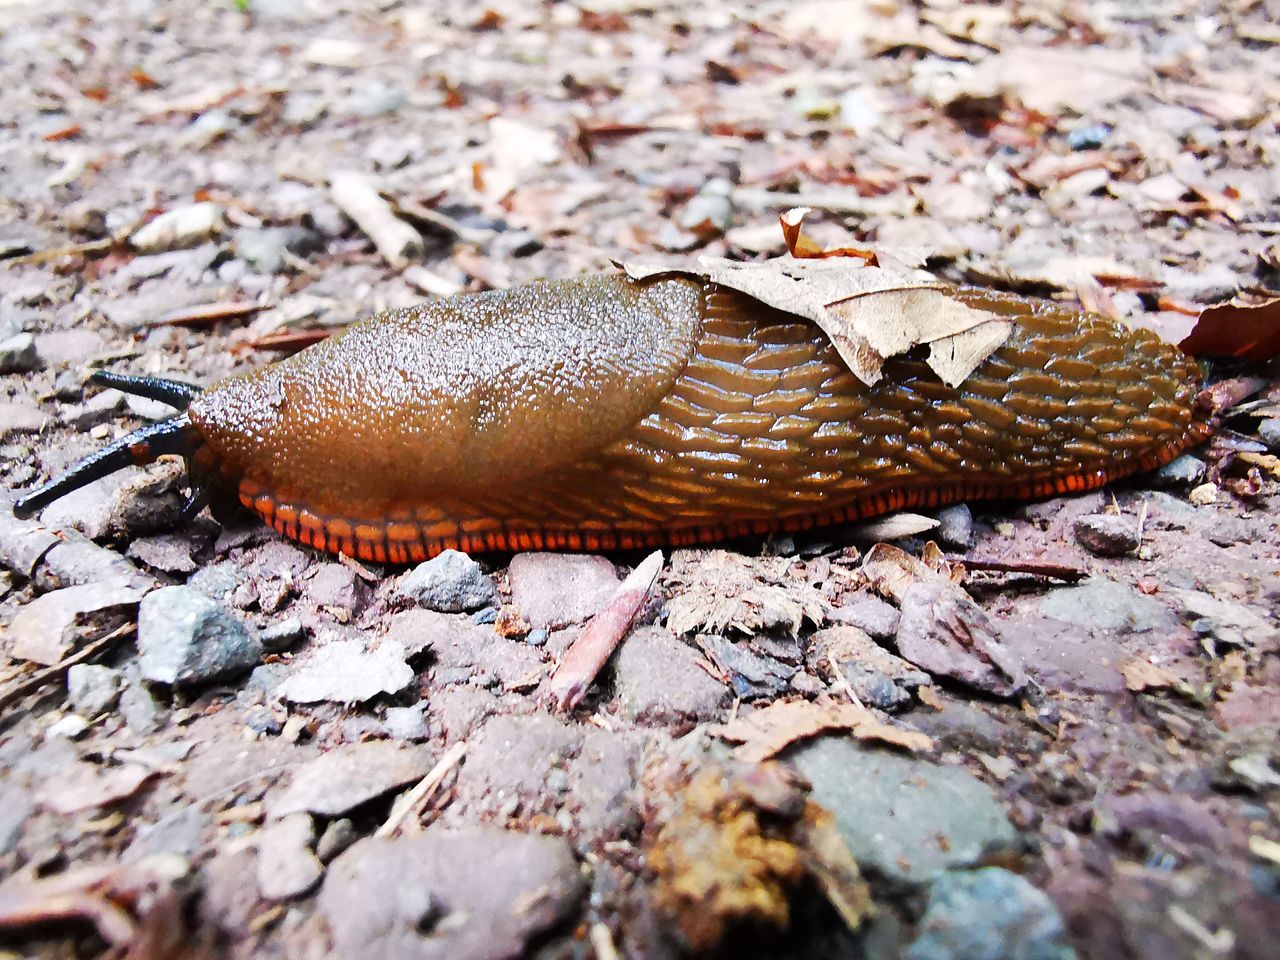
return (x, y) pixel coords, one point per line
(172, 392)
(145, 445)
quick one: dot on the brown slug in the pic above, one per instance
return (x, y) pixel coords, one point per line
(608, 412)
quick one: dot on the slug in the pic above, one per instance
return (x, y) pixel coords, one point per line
(607, 412)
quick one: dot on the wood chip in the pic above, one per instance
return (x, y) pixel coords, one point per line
(357, 197)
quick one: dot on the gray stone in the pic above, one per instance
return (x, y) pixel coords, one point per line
(558, 589)
(217, 580)
(988, 914)
(19, 416)
(282, 635)
(347, 776)
(1179, 473)
(374, 99)
(1107, 535)
(464, 649)
(167, 552)
(335, 586)
(99, 408)
(286, 867)
(906, 818)
(93, 689)
(18, 354)
(343, 671)
(868, 613)
(17, 803)
(450, 583)
(752, 673)
(478, 893)
(124, 505)
(875, 676)
(660, 678)
(142, 714)
(337, 836)
(944, 632)
(1102, 604)
(185, 638)
(1269, 432)
(265, 249)
(1064, 656)
(955, 526)
(406, 723)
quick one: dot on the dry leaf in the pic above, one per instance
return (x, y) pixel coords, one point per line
(891, 570)
(870, 313)
(717, 591)
(1051, 80)
(766, 733)
(1140, 674)
(1250, 331)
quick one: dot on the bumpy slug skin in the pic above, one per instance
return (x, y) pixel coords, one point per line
(610, 412)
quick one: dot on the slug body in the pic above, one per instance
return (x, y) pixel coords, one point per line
(612, 413)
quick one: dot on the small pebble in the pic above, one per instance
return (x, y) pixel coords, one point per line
(68, 728)
(449, 583)
(1089, 137)
(485, 616)
(1269, 432)
(1107, 535)
(282, 635)
(406, 723)
(536, 638)
(1179, 474)
(18, 354)
(336, 837)
(93, 689)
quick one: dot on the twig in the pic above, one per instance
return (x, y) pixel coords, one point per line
(1142, 523)
(41, 677)
(591, 651)
(426, 787)
(602, 942)
(358, 199)
(208, 314)
(1055, 571)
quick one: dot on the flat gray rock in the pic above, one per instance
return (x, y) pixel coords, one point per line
(556, 589)
(479, 893)
(659, 678)
(50, 626)
(1102, 604)
(343, 671)
(346, 777)
(987, 914)
(904, 817)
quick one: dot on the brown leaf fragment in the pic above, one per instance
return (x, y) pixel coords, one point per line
(602, 634)
(137, 908)
(734, 842)
(767, 732)
(1141, 674)
(802, 246)
(891, 570)
(208, 314)
(1250, 331)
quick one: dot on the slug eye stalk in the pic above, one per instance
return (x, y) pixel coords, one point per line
(176, 435)
(175, 394)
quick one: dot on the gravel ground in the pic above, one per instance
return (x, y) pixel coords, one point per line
(217, 743)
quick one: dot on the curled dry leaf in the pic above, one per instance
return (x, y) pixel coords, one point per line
(871, 313)
(891, 570)
(803, 247)
(1250, 331)
(766, 733)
